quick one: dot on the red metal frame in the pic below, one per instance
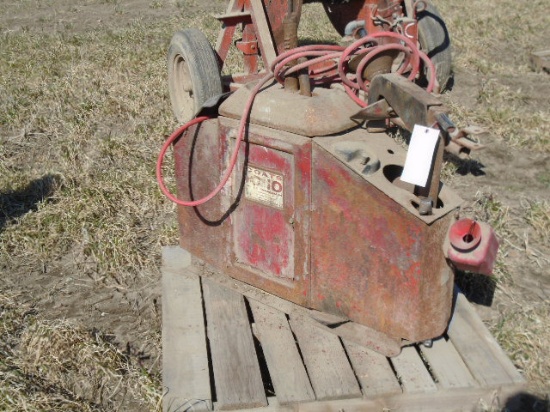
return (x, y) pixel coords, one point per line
(261, 24)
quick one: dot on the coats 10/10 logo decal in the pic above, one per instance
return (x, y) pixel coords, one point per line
(265, 187)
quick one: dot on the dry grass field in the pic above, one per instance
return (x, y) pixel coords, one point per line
(83, 112)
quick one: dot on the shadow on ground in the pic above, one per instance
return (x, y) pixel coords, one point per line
(16, 203)
(526, 402)
(479, 289)
(466, 166)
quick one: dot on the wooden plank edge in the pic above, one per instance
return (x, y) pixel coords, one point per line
(442, 401)
(234, 360)
(176, 258)
(328, 367)
(373, 371)
(184, 347)
(447, 365)
(286, 369)
(273, 405)
(464, 399)
(465, 310)
(412, 372)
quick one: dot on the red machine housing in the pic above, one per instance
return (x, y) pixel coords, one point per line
(315, 213)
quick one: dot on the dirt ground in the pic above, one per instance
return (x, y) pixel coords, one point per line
(60, 290)
(508, 184)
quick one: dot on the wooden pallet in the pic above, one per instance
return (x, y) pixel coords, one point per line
(233, 348)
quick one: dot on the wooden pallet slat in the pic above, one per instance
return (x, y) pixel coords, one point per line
(286, 369)
(236, 368)
(484, 357)
(373, 370)
(412, 372)
(183, 336)
(447, 365)
(457, 400)
(327, 365)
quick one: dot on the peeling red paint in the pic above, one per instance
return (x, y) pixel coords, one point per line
(379, 259)
(336, 243)
(265, 241)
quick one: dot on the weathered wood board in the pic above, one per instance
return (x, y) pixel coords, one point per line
(229, 347)
(540, 60)
(183, 336)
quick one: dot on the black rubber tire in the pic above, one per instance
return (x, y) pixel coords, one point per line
(435, 42)
(193, 73)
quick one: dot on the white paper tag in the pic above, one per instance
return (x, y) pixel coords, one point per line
(419, 156)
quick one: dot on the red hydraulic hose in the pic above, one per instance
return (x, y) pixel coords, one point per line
(336, 72)
(232, 160)
(177, 133)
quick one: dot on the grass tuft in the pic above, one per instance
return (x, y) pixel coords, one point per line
(55, 365)
(524, 335)
(538, 216)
